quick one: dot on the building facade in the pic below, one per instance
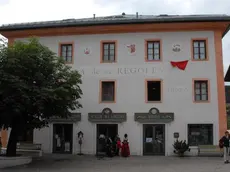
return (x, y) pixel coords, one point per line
(153, 78)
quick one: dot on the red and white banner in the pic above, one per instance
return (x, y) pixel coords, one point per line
(179, 64)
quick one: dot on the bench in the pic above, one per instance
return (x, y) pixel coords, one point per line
(2, 151)
(26, 148)
(209, 150)
(29, 148)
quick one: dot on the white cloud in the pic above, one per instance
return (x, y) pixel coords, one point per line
(16, 11)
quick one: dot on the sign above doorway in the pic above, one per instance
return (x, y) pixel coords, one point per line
(107, 115)
(74, 117)
(154, 115)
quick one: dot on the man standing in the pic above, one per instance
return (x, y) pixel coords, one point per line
(101, 147)
(225, 142)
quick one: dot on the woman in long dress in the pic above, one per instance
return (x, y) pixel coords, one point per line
(118, 146)
(125, 152)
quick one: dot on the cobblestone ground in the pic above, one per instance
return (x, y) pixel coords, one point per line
(67, 163)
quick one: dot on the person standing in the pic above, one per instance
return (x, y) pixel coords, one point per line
(109, 147)
(118, 146)
(125, 152)
(225, 141)
(102, 147)
(117, 142)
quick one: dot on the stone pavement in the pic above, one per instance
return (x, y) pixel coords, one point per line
(73, 163)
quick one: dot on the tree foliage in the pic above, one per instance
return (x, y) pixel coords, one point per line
(35, 85)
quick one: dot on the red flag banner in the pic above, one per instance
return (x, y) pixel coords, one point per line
(180, 64)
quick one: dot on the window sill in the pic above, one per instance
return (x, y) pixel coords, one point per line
(153, 102)
(107, 102)
(69, 63)
(195, 60)
(108, 62)
(206, 101)
(149, 61)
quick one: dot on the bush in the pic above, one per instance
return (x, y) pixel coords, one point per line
(180, 147)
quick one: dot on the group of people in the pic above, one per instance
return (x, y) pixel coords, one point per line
(114, 147)
(224, 143)
(122, 148)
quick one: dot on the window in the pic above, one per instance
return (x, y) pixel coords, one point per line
(199, 49)
(108, 52)
(201, 90)
(227, 94)
(200, 134)
(153, 50)
(66, 51)
(107, 91)
(153, 88)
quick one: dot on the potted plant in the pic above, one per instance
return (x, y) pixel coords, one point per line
(180, 147)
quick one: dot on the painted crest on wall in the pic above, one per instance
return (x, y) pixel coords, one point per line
(176, 47)
(87, 51)
(131, 48)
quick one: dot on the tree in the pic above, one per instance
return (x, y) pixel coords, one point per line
(35, 85)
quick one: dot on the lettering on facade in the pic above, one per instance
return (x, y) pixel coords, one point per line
(126, 71)
(82, 72)
(115, 117)
(120, 71)
(74, 117)
(107, 116)
(178, 89)
(154, 115)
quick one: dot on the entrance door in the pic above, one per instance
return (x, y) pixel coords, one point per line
(109, 130)
(154, 139)
(62, 138)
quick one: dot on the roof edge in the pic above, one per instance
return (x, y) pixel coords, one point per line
(79, 23)
(226, 31)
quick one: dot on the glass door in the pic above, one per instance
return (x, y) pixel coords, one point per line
(154, 139)
(62, 138)
(108, 130)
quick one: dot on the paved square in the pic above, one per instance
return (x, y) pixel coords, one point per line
(70, 163)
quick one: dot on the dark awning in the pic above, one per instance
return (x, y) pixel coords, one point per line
(74, 117)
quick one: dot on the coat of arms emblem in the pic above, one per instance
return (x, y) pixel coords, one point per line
(131, 48)
(87, 51)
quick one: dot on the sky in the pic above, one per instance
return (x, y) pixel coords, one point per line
(18, 11)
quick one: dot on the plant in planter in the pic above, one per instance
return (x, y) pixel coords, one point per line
(180, 147)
